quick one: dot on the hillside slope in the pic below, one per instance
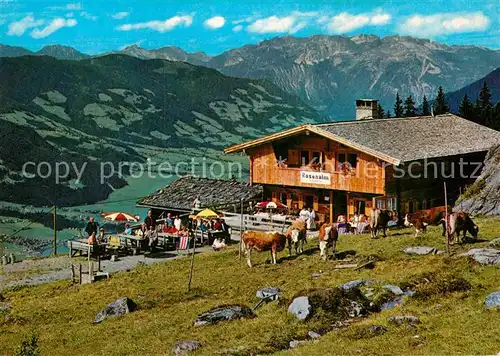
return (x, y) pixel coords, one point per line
(113, 108)
(472, 90)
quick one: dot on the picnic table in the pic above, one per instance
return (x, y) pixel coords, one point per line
(82, 246)
(133, 242)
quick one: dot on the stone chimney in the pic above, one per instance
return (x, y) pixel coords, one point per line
(366, 109)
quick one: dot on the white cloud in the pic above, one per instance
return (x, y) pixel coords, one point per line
(160, 26)
(70, 6)
(215, 22)
(70, 14)
(346, 22)
(120, 15)
(380, 19)
(275, 24)
(18, 28)
(88, 16)
(74, 6)
(444, 24)
(237, 28)
(52, 27)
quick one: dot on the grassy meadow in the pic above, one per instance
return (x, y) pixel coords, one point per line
(61, 314)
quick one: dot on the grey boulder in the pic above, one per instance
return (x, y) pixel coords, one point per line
(355, 284)
(484, 256)
(183, 347)
(300, 307)
(119, 307)
(421, 250)
(270, 293)
(492, 300)
(224, 313)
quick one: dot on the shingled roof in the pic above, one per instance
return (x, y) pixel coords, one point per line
(180, 194)
(399, 140)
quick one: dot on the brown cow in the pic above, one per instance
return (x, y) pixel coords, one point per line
(458, 222)
(378, 221)
(296, 235)
(263, 241)
(422, 218)
(328, 236)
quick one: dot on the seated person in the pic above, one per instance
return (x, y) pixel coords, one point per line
(128, 229)
(217, 225)
(184, 231)
(142, 231)
(341, 219)
(101, 238)
(152, 236)
(92, 240)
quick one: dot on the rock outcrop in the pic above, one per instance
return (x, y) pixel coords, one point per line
(483, 197)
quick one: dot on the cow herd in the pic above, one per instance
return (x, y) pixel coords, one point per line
(295, 236)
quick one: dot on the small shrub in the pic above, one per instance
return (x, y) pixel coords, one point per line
(29, 347)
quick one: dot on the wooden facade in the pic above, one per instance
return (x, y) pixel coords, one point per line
(351, 178)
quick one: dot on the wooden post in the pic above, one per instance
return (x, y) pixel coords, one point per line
(241, 230)
(192, 265)
(80, 273)
(347, 206)
(72, 273)
(331, 206)
(446, 220)
(55, 233)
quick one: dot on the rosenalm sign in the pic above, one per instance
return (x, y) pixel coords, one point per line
(315, 177)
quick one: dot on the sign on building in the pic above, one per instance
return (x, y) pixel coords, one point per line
(315, 177)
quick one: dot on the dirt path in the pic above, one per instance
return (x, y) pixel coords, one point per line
(46, 270)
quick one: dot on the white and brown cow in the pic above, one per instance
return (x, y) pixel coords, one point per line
(263, 241)
(458, 222)
(296, 236)
(327, 237)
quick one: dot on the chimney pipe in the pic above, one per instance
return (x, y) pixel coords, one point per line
(366, 109)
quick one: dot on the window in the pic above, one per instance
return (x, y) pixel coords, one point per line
(341, 159)
(283, 197)
(353, 160)
(304, 158)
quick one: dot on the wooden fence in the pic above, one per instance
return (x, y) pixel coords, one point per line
(256, 222)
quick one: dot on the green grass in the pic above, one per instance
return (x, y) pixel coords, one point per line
(452, 323)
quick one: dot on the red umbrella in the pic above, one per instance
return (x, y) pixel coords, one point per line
(271, 205)
(119, 216)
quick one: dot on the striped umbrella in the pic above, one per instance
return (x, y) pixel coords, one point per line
(119, 216)
(271, 205)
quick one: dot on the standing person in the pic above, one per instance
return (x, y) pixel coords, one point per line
(149, 221)
(178, 223)
(304, 214)
(128, 229)
(91, 227)
(311, 222)
(168, 220)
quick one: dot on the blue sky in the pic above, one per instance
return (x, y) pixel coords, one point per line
(215, 26)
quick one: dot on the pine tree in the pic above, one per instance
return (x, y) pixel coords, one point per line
(466, 109)
(380, 112)
(440, 106)
(426, 109)
(388, 115)
(398, 107)
(409, 107)
(484, 107)
(485, 96)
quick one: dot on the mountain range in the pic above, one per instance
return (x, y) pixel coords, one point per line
(330, 72)
(120, 108)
